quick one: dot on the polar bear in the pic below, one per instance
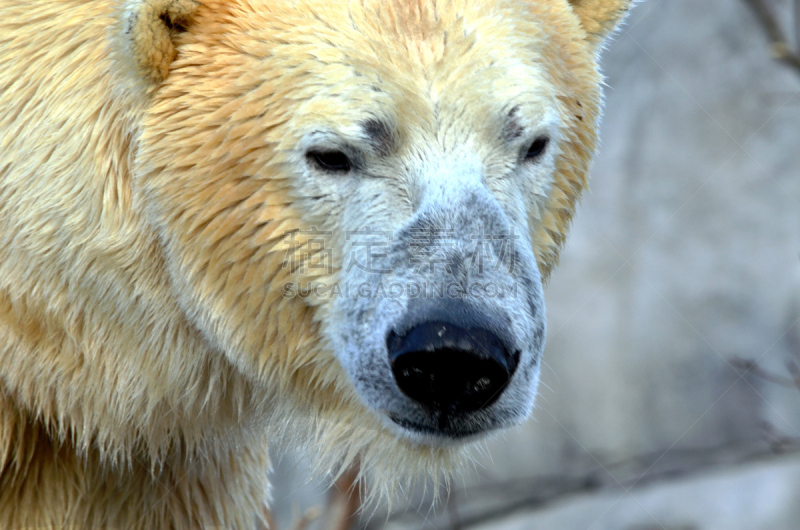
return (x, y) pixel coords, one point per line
(225, 224)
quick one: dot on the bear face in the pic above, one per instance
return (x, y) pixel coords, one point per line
(360, 202)
(432, 208)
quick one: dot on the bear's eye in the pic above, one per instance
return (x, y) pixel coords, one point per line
(537, 148)
(335, 161)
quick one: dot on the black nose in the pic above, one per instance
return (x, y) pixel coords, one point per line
(449, 368)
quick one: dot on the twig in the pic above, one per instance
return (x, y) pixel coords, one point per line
(344, 502)
(781, 48)
(794, 369)
(797, 23)
(301, 523)
(271, 525)
(747, 366)
(527, 494)
(779, 442)
(311, 515)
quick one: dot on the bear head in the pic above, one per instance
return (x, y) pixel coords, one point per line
(359, 201)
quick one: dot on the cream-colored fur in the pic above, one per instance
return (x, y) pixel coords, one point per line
(146, 353)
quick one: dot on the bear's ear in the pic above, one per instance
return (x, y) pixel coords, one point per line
(150, 27)
(600, 17)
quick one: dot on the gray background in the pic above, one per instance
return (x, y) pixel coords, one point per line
(684, 257)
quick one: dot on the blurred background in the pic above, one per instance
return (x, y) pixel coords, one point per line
(670, 395)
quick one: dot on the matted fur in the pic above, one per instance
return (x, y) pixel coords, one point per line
(140, 384)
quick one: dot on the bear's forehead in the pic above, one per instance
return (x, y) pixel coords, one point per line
(422, 36)
(407, 55)
(419, 66)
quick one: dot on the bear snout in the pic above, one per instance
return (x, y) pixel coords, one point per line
(449, 369)
(454, 367)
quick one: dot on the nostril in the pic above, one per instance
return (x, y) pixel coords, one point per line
(446, 367)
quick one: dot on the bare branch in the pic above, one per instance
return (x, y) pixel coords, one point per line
(778, 442)
(301, 523)
(794, 369)
(497, 499)
(344, 501)
(747, 366)
(311, 515)
(269, 520)
(781, 48)
(797, 23)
